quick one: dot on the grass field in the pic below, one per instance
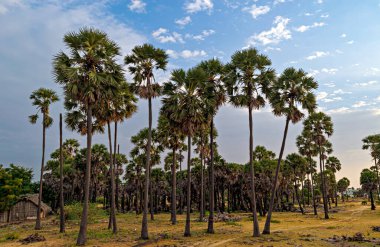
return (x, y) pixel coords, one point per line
(288, 229)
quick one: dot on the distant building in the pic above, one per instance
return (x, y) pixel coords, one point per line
(24, 209)
(350, 192)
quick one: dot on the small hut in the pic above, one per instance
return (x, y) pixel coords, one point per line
(24, 209)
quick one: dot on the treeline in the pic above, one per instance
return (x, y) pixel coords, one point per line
(97, 97)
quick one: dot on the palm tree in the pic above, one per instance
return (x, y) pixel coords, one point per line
(291, 93)
(183, 104)
(368, 183)
(61, 202)
(307, 147)
(333, 164)
(372, 142)
(320, 126)
(42, 99)
(142, 63)
(248, 77)
(87, 75)
(171, 137)
(214, 94)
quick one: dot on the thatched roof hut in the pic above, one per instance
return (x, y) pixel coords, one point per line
(24, 209)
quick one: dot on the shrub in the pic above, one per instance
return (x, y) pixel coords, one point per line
(73, 212)
(11, 236)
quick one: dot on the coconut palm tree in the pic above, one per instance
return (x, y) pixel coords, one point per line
(289, 95)
(142, 63)
(214, 93)
(320, 126)
(170, 136)
(42, 99)
(183, 104)
(88, 73)
(247, 77)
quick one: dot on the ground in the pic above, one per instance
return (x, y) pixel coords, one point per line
(288, 229)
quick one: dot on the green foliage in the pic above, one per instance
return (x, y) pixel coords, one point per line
(11, 236)
(73, 212)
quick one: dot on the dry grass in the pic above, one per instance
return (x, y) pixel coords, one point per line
(288, 229)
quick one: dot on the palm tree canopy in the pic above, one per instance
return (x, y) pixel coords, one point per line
(42, 98)
(142, 63)
(291, 93)
(183, 102)
(248, 77)
(333, 164)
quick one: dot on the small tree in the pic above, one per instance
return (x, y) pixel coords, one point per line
(369, 184)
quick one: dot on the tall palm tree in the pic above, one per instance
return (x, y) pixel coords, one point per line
(171, 137)
(248, 77)
(321, 127)
(142, 63)
(291, 93)
(372, 142)
(42, 99)
(183, 104)
(87, 74)
(307, 147)
(333, 164)
(214, 93)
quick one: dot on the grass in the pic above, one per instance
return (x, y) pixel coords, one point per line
(288, 229)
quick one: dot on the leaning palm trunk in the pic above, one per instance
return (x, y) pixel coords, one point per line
(144, 226)
(61, 202)
(256, 230)
(188, 207)
(174, 190)
(210, 228)
(274, 187)
(82, 236)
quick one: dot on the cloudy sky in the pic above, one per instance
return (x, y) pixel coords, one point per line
(337, 42)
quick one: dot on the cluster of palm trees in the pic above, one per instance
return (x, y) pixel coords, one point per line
(96, 95)
(369, 178)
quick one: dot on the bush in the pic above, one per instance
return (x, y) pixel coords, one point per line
(73, 212)
(11, 236)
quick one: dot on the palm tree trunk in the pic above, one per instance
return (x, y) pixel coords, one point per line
(274, 187)
(256, 230)
(114, 168)
(144, 225)
(151, 201)
(82, 236)
(174, 190)
(297, 196)
(38, 219)
(325, 207)
(312, 187)
(373, 207)
(210, 228)
(61, 202)
(188, 207)
(112, 219)
(202, 206)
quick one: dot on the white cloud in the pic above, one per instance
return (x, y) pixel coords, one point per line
(325, 16)
(334, 99)
(365, 84)
(340, 91)
(198, 5)
(322, 95)
(256, 11)
(359, 104)
(186, 53)
(317, 54)
(202, 36)
(319, 1)
(313, 72)
(5, 5)
(275, 35)
(269, 48)
(339, 110)
(164, 36)
(330, 84)
(343, 35)
(350, 42)
(137, 6)
(331, 71)
(184, 21)
(304, 28)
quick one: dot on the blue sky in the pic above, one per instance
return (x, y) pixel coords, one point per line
(337, 42)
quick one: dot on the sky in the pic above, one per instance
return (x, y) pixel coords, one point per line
(336, 42)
